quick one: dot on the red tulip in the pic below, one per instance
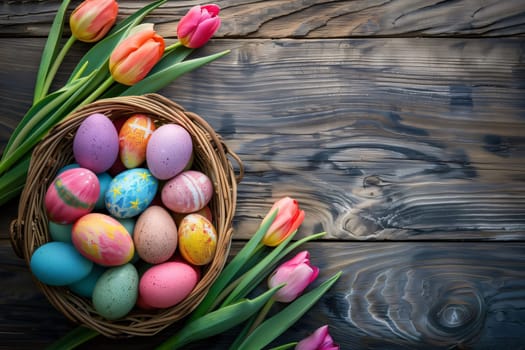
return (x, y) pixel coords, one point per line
(134, 57)
(319, 340)
(92, 19)
(296, 273)
(289, 218)
(198, 25)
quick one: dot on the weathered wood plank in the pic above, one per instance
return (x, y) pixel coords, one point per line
(308, 19)
(378, 139)
(390, 296)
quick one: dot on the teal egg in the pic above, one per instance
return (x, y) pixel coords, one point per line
(116, 291)
(85, 286)
(130, 193)
(67, 167)
(129, 224)
(60, 232)
(59, 264)
(104, 179)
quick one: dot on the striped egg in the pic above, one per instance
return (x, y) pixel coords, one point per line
(133, 140)
(102, 239)
(187, 192)
(72, 193)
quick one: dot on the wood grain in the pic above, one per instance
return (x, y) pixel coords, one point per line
(390, 296)
(307, 19)
(378, 139)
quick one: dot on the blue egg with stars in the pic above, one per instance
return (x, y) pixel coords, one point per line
(130, 193)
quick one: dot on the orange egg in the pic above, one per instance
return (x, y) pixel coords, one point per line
(133, 140)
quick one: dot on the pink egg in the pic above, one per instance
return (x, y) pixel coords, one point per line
(96, 144)
(169, 150)
(102, 239)
(72, 193)
(167, 284)
(133, 140)
(188, 192)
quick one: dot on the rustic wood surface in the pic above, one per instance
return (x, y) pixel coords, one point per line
(398, 125)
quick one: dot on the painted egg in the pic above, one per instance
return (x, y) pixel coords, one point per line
(59, 264)
(85, 286)
(167, 284)
(206, 212)
(102, 239)
(197, 239)
(59, 232)
(155, 235)
(116, 291)
(72, 194)
(95, 145)
(169, 151)
(187, 192)
(133, 140)
(131, 192)
(104, 179)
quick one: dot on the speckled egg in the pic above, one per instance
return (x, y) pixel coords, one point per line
(96, 145)
(72, 193)
(197, 239)
(167, 284)
(131, 192)
(155, 235)
(169, 150)
(116, 292)
(187, 192)
(102, 239)
(133, 140)
(59, 264)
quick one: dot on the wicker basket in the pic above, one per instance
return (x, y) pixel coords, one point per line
(212, 157)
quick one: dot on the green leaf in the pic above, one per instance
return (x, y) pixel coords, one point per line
(50, 49)
(217, 321)
(278, 324)
(74, 338)
(231, 269)
(98, 55)
(162, 78)
(13, 181)
(285, 346)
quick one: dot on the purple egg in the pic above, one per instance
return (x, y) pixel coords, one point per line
(169, 150)
(96, 143)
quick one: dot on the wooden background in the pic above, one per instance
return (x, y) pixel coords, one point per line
(398, 125)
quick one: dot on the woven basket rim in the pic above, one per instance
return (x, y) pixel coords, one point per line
(212, 156)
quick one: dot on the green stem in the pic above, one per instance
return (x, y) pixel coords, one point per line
(172, 47)
(95, 94)
(56, 64)
(262, 315)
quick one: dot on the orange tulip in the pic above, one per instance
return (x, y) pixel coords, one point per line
(136, 55)
(289, 218)
(92, 19)
(198, 25)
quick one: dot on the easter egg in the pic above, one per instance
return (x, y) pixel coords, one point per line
(86, 285)
(133, 140)
(167, 284)
(129, 224)
(187, 192)
(197, 239)
(59, 232)
(102, 239)
(155, 235)
(169, 150)
(59, 264)
(72, 194)
(95, 145)
(131, 192)
(116, 291)
(206, 212)
(104, 179)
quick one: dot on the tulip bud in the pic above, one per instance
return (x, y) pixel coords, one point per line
(296, 273)
(92, 19)
(288, 219)
(198, 25)
(136, 55)
(319, 340)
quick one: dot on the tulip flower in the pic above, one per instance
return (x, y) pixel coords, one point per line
(319, 340)
(136, 55)
(92, 19)
(297, 273)
(198, 25)
(289, 218)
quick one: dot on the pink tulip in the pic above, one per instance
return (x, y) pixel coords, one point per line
(198, 25)
(319, 340)
(289, 218)
(296, 273)
(136, 55)
(92, 19)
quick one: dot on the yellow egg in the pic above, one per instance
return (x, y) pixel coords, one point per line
(197, 239)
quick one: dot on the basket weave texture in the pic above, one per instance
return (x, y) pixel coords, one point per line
(212, 157)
